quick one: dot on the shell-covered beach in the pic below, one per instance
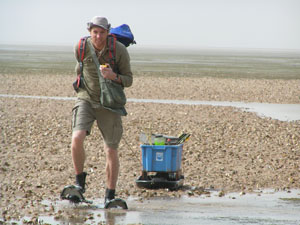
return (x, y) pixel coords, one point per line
(229, 149)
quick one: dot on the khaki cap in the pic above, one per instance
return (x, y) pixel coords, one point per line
(99, 22)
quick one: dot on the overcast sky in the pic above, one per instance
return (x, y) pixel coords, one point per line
(171, 23)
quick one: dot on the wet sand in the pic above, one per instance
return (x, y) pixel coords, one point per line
(229, 150)
(260, 207)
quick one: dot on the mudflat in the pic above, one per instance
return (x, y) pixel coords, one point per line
(229, 150)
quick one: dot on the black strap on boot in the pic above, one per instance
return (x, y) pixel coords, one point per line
(111, 202)
(74, 193)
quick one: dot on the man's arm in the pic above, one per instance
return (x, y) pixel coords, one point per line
(123, 63)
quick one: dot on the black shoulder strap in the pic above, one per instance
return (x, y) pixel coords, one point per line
(112, 51)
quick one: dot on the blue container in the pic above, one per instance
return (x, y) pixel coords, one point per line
(161, 158)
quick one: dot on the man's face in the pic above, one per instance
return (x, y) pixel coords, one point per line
(99, 36)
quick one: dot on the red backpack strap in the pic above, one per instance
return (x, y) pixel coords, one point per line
(81, 50)
(112, 50)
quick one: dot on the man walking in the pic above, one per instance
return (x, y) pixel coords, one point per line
(89, 109)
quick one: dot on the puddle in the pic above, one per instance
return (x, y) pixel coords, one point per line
(283, 112)
(261, 207)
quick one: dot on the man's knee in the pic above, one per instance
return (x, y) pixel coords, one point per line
(112, 153)
(78, 137)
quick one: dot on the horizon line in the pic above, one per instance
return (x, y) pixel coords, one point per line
(153, 47)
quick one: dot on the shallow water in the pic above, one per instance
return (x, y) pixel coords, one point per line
(261, 207)
(231, 63)
(283, 112)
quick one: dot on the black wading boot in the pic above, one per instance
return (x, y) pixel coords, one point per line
(74, 193)
(112, 202)
(80, 181)
(109, 195)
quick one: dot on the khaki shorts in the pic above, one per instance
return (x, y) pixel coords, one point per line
(109, 123)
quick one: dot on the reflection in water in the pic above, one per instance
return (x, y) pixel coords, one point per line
(114, 216)
(69, 213)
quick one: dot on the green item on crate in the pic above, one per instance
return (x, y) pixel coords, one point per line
(159, 140)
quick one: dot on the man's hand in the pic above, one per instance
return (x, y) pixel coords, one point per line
(107, 72)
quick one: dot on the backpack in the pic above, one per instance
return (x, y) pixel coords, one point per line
(121, 33)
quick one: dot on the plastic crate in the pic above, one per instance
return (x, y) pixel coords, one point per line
(161, 158)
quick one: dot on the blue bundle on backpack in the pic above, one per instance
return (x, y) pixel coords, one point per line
(123, 34)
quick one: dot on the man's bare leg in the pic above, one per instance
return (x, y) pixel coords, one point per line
(112, 167)
(78, 154)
